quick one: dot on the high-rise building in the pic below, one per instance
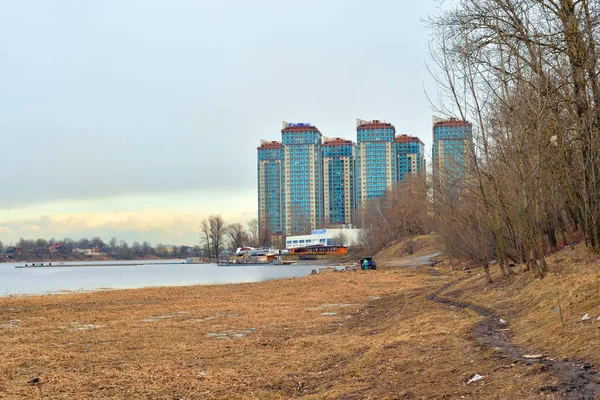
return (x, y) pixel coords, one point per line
(303, 178)
(376, 159)
(452, 143)
(270, 185)
(410, 156)
(338, 181)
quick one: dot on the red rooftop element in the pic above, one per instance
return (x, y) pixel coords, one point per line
(338, 142)
(375, 124)
(269, 145)
(453, 122)
(407, 139)
(301, 128)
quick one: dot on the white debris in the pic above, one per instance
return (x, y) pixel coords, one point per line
(502, 322)
(533, 356)
(475, 378)
(598, 319)
(585, 317)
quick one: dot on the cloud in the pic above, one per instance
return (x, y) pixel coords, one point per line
(156, 226)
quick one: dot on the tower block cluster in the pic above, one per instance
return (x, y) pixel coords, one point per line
(308, 181)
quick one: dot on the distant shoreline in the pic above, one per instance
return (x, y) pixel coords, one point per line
(83, 259)
(116, 264)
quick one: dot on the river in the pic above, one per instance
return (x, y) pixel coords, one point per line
(41, 280)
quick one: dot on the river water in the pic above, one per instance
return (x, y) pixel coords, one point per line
(27, 281)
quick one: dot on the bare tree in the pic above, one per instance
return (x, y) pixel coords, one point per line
(213, 230)
(217, 231)
(237, 234)
(253, 232)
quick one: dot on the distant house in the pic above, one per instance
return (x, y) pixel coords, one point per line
(55, 248)
(88, 252)
(14, 251)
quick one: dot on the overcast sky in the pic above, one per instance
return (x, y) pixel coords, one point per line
(136, 119)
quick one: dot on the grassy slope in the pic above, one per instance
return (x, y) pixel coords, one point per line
(532, 306)
(423, 244)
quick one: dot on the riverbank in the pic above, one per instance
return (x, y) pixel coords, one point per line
(95, 264)
(75, 258)
(351, 335)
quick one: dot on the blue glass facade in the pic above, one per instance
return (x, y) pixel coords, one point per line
(410, 157)
(339, 173)
(452, 141)
(376, 159)
(270, 185)
(303, 178)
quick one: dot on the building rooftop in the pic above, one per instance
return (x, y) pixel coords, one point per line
(337, 142)
(299, 127)
(452, 122)
(407, 139)
(374, 124)
(264, 144)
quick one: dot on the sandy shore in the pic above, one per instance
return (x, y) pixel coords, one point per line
(347, 335)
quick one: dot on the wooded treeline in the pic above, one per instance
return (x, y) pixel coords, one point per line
(525, 73)
(215, 236)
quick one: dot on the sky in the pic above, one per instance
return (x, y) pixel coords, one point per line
(138, 118)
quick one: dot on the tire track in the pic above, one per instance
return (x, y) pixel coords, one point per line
(578, 380)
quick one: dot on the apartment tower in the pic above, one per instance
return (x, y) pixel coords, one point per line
(303, 178)
(410, 157)
(338, 181)
(376, 159)
(270, 185)
(452, 143)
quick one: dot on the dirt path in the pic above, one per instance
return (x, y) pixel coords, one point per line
(577, 379)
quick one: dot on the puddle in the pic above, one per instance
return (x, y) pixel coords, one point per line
(155, 318)
(12, 324)
(320, 307)
(228, 334)
(219, 315)
(329, 314)
(84, 327)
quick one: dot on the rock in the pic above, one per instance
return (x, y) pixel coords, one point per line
(34, 381)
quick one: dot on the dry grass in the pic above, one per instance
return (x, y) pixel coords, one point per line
(351, 335)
